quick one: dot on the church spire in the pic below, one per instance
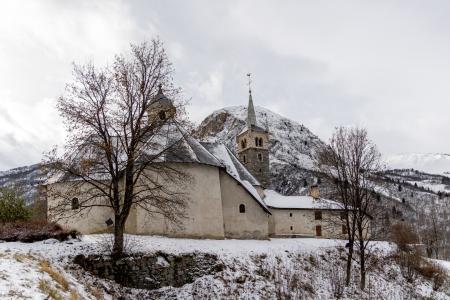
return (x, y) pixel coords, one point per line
(251, 116)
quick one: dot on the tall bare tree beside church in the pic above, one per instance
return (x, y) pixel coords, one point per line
(114, 151)
(352, 162)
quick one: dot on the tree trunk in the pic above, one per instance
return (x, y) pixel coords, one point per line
(349, 264)
(363, 268)
(429, 252)
(117, 250)
(362, 257)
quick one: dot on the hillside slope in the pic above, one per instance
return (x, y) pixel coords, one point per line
(252, 269)
(26, 179)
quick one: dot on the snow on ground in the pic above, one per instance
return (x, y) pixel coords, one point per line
(254, 269)
(443, 263)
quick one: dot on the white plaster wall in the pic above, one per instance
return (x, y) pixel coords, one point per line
(85, 221)
(254, 223)
(204, 212)
(304, 223)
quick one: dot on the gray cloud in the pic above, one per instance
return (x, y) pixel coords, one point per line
(383, 65)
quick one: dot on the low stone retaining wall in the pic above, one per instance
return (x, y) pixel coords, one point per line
(151, 271)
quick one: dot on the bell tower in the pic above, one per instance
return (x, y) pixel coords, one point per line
(161, 108)
(253, 145)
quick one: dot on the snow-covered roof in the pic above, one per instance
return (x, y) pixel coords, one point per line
(185, 148)
(236, 170)
(230, 162)
(276, 200)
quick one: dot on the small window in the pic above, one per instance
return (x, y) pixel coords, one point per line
(260, 170)
(343, 215)
(290, 214)
(162, 115)
(242, 209)
(260, 157)
(292, 228)
(75, 203)
(109, 222)
(256, 142)
(344, 229)
(318, 230)
(306, 143)
(243, 144)
(317, 215)
(244, 158)
(260, 142)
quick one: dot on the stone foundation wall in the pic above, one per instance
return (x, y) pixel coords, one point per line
(151, 271)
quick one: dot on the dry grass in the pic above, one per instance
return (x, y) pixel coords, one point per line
(23, 257)
(54, 274)
(96, 292)
(74, 295)
(46, 288)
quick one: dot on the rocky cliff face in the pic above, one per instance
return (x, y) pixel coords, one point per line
(292, 145)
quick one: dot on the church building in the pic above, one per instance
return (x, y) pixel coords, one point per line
(229, 194)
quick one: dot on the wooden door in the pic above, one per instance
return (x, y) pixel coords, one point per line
(318, 230)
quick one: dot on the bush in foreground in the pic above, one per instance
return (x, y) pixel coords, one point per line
(12, 206)
(33, 231)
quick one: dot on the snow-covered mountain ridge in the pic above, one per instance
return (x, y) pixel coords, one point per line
(432, 163)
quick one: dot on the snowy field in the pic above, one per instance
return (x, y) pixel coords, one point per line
(269, 268)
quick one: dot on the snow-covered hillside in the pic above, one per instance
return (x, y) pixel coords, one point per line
(292, 145)
(26, 179)
(433, 163)
(252, 269)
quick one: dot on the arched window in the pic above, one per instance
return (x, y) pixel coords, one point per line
(162, 115)
(244, 158)
(256, 142)
(260, 142)
(242, 208)
(260, 157)
(75, 203)
(243, 144)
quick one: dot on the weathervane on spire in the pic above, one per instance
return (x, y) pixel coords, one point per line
(249, 82)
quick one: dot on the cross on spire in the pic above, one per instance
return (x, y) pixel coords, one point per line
(249, 82)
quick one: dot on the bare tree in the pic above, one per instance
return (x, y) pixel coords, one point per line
(121, 128)
(431, 231)
(352, 162)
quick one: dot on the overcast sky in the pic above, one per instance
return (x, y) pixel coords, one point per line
(384, 65)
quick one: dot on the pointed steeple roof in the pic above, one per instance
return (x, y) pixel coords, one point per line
(251, 115)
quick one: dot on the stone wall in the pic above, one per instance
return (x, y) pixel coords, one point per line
(151, 271)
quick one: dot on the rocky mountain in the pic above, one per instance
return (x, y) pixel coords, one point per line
(292, 145)
(26, 179)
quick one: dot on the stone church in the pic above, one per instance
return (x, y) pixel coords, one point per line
(230, 195)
